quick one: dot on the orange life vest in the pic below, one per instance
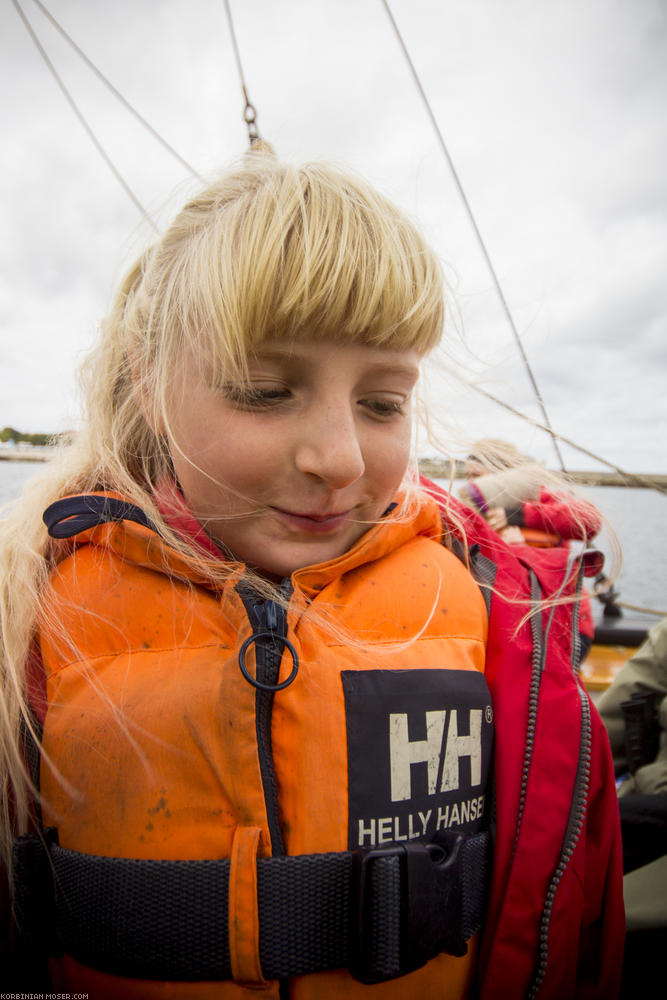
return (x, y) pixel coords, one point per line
(540, 539)
(151, 746)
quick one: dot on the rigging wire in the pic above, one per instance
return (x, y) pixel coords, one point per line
(249, 112)
(637, 607)
(78, 113)
(631, 477)
(250, 117)
(91, 65)
(503, 301)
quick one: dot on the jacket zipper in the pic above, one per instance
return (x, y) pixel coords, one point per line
(577, 811)
(267, 616)
(537, 666)
(576, 614)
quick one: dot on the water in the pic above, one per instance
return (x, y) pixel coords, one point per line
(14, 476)
(636, 517)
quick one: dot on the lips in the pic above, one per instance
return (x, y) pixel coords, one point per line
(314, 523)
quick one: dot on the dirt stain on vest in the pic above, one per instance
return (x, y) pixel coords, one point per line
(161, 804)
(159, 807)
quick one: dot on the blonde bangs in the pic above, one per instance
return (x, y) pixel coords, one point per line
(275, 252)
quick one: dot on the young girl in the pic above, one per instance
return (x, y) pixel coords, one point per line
(286, 705)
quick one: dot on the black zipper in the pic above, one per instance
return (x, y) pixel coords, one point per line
(576, 615)
(268, 620)
(537, 668)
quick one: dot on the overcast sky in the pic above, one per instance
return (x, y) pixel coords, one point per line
(553, 111)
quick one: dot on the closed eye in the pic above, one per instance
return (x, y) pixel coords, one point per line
(384, 408)
(254, 397)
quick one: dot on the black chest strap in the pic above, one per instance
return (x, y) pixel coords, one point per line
(380, 913)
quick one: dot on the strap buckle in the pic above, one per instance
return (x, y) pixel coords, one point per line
(406, 907)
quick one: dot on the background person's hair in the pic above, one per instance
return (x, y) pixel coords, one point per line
(495, 455)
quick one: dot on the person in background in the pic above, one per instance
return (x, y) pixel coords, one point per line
(517, 496)
(634, 710)
(509, 490)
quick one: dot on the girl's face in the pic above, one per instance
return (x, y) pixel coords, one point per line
(294, 469)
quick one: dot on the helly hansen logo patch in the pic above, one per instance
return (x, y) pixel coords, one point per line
(419, 748)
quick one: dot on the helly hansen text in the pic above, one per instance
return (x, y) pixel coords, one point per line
(387, 829)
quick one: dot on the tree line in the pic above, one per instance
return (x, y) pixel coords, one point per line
(8, 434)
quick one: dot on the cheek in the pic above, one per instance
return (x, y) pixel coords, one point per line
(388, 457)
(234, 468)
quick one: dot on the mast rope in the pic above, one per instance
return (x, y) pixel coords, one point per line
(631, 477)
(249, 112)
(91, 65)
(503, 301)
(70, 100)
(250, 118)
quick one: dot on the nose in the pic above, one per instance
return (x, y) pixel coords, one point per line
(328, 446)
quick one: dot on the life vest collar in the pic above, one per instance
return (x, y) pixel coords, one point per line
(126, 530)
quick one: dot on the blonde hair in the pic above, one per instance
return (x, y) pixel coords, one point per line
(268, 251)
(495, 455)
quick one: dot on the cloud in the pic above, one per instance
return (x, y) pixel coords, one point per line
(552, 113)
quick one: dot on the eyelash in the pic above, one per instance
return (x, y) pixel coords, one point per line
(384, 407)
(264, 398)
(255, 398)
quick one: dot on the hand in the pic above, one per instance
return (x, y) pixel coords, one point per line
(496, 518)
(512, 535)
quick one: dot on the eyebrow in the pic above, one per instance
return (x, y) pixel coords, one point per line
(388, 367)
(408, 371)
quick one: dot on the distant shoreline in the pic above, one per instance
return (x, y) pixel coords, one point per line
(433, 468)
(26, 453)
(437, 469)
